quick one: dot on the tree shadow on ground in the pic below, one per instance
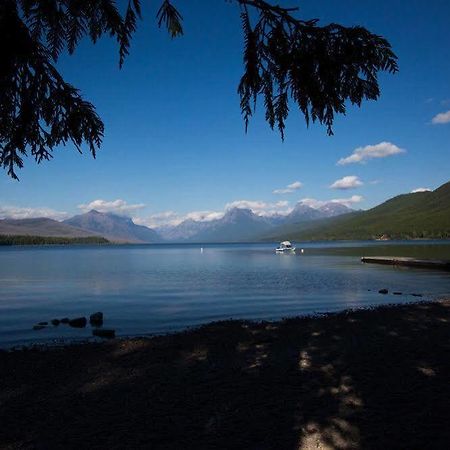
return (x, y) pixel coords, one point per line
(363, 379)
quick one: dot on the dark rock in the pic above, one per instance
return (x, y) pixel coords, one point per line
(397, 293)
(383, 291)
(39, 327)
(42, 323)
(96, 318)
(104, 333)
(65, 320)
(55, 322)
(417, 295)
(79, 322)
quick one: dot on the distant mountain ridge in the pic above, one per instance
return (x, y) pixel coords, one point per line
(242, 224)
(407, 216)
(415, 215)
(114, 228)
(42, 226)
(236, 225)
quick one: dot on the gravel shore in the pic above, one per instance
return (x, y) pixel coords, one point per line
(360, 379)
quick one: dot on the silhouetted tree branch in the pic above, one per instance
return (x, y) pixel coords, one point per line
(286, 61)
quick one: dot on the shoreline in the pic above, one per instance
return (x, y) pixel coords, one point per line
(61, 343)
(101, 241)
(364, 378)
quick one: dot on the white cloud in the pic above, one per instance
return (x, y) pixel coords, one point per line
(118, 206)
(261, 208)
(348, 201)
(420, 189)
(348, 182)
(158, 219)
(314, 203)
(255, 205)
(441, 118)
(203, 216)
(362, 154)
(296, 185)
(171, 218)
(16, 212)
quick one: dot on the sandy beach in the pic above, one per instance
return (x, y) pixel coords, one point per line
(357, 379)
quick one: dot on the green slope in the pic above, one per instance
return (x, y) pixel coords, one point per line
(408, 216)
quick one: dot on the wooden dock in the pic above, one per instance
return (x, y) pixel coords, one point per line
(410, 262)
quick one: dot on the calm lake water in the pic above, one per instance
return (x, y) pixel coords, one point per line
(161, 288)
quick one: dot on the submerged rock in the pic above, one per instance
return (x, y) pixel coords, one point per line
(104, 333)
(96, 318)
(55, 322)
(383, 291)
(78, 322)
(43, 323)
(65, 320)
(417, 295)
(39, 327)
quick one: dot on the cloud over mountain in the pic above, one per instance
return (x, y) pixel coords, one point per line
(261, 208)
(16, 212)
(120, 207)
(348, 182)
(289, 188)
(314, 203)
(420, 189)
(171, 218)
(363, 154)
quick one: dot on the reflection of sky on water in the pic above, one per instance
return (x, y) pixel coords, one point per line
(144, 289)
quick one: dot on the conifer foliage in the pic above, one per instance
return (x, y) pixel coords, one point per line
(286, 61)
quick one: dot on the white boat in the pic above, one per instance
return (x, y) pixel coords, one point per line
(285, 247)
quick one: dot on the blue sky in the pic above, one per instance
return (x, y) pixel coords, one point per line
(175, 140)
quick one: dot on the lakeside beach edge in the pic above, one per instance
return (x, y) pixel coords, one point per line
(353, 379)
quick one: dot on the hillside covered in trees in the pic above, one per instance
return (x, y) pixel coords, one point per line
(419, 215)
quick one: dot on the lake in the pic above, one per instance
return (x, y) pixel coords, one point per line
(147, 289)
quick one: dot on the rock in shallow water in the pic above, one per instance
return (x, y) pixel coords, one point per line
(78, 322)
(39, 327)
(55, 322)
(65, 320)
(383, 291)
(104, 333)
(96, 318)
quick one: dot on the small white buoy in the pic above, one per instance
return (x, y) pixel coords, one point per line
(302, 250)
(201, 249)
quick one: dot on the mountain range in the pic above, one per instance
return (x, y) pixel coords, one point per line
(415, 215)
(236, 225)
(41, 226)
(113, 227)
(240, 224)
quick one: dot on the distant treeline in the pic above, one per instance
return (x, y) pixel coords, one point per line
(48, 240)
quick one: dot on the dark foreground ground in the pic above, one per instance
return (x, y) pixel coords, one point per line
(365, 379)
